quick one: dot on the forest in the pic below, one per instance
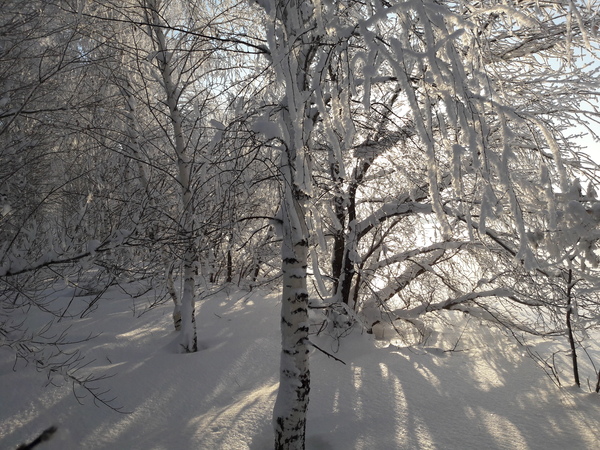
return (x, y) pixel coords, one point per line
(377, 170)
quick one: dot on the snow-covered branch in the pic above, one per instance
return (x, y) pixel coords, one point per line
(400, 207)
(413, 271)
(18, 266)
(450, 303)
(411, 254)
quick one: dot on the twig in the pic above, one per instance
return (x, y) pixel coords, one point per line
(327, 353)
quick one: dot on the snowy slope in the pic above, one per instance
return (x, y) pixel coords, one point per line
(484, 395)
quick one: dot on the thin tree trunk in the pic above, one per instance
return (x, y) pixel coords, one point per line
(229, 276)
(257, 264)
(134, 147)
(570, 327)
(339, 235)
(189, 343)
(173, 295)
(346, 277)
(188, 298)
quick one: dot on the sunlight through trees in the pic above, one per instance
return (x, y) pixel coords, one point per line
(380, 161)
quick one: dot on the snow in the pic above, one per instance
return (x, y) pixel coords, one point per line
(270, 129)
(468, 387)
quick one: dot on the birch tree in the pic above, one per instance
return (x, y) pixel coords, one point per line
(293, 48)
(461, 73)
(172, 93)
(179, 69)
(299, 47)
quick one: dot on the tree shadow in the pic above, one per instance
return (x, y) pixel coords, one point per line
(215, 398)
(485, 394)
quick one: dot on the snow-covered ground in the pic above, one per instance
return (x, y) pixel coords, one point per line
(486, 394)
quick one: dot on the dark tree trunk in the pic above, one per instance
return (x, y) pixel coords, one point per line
(570, 285)
(229, 276)
(347, 272)
(339, 243)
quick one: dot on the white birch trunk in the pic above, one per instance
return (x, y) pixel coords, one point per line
(289, 415)
(188, 341)
(188, 299)
(294, 47)
(134, 146)
(174, 297)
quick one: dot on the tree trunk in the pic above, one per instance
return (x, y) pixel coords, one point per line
(570, 285)
(184, 167)
(339, 242)
(134, 147)
(289, 415)
(351, 238)
(229, 276)
(189, 343)
(173, 295)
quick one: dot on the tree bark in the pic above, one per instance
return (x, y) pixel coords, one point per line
(350, 239)
(174, 297)
(570, 285)
(294, 45)
(289, 415)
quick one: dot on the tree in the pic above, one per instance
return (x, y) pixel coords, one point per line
(293, 49)
(456, 96)
(170, 141)
(172, 93)
(443, 117)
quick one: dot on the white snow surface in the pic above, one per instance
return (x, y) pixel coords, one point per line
(487, 394)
